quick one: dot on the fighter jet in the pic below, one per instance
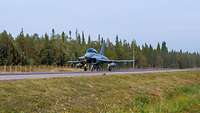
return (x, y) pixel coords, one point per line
(92, 60)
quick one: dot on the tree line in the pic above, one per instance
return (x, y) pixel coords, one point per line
(58, 48)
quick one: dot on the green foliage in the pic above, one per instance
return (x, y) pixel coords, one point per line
(57, 49)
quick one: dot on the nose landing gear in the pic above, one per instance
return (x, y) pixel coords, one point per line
(109, 68)
(95, 67)
(85, 68)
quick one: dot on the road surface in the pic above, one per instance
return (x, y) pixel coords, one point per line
(41, 75)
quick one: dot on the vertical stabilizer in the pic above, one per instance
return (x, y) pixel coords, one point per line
(102, 48)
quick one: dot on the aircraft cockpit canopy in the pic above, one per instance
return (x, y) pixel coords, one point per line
(91, 50)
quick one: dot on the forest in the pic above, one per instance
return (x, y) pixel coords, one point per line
(58, 48)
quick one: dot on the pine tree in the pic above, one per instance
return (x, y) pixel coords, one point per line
(70, 35)
(27, 49)
(83, 39)
(52, 33)
(63, 36)
(164, 47)
(89, 40)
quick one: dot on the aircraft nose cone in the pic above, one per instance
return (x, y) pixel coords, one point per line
(87, 55)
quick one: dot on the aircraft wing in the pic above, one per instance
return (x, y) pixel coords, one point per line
(116, 61)
(122, 61)
(74, 62)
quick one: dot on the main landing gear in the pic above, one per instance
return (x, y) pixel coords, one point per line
(91, 67)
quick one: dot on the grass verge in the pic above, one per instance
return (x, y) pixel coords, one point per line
(177, 92)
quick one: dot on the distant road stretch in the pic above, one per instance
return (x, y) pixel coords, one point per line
(41, 75)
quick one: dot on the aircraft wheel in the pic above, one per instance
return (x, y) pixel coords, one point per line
(85, 68)
(109, 69)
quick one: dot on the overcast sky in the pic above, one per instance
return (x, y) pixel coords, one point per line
(175, 21)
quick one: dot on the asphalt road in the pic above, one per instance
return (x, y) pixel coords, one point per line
(41, 75)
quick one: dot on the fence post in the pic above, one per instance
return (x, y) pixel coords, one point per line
(29, 68)
(4, 68)
(39, 68)
(10, 70)
(20, 68)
